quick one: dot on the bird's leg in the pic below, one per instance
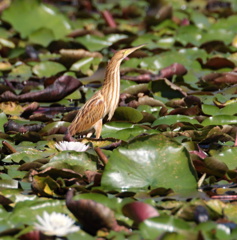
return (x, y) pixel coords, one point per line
(98, 128)
(68, 137)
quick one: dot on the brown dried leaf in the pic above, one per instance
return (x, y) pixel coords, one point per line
(33, 165)
(29, 109)
(40, 117)
(44, 186)
(92, 215)
(78, 54)
(192, 111)
(12, 126)
(54, 173)
(219, 62)
(93, 177)
(62, 87)
(5, 201)
(146, 100)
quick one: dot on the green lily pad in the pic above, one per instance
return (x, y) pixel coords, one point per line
(25, 211)
(186, 57)
(128, 114)
(86, 65)
(28, 155)
(42, 36)
(172, 119)
(48, 69)
(95, 43)
(21, 72)
(220, 120)
(3, 120)
(149, 162)
(76, 161)
(121, 130)
(230, 109)
(210, 109)
(227, 155)
(154, 227)
(39, 16)
(189, 34)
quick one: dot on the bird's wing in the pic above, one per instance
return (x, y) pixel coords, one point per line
(88, 115)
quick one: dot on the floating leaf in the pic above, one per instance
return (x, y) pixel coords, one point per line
(172, 119)
(42, 36)
(227, 155)
(123, 131)
(139, 211)
(3, 120)
(95, 43)
(21, 72)
(48, 69)
(220, 120)
(152, 228)
(167, 89)
(40, 16)
(149, 162)
(78, 162)
(28, 155)
(92, 215)
(128, 114)
(86, 65)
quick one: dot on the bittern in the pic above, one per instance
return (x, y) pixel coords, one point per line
(104, 102)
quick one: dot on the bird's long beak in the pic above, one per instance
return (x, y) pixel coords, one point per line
(130, 50)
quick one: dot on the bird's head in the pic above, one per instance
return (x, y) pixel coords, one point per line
(128, 51)
(122, 54)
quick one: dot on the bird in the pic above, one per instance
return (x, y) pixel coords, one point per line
(104, 102)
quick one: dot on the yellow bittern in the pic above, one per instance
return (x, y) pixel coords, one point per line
(104, 102)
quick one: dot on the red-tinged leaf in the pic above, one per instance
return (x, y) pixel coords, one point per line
(221, 79)
(139, 211)
(195, 110)
(92, 215)
(62, 87)
(219, 62)
(30, 109)
(93, 177)
(36, 235)
(174, 69)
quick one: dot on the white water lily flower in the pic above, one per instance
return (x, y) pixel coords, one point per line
(76, 146)
(55, 224)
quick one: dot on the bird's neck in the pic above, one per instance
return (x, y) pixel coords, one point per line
(111, 87)
(112, 76)
(111, 84)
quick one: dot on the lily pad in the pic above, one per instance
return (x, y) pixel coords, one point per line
(3, 120)
(78, 162)
(172, 119)
(152, 228)
(220, 120)
(86, 65)
(128, 114)
(48, 69)
(39, 16)
(42, 36)
(149, 162)
(228, 155)
(95, 43)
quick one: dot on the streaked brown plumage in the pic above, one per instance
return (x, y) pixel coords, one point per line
(104, 102)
